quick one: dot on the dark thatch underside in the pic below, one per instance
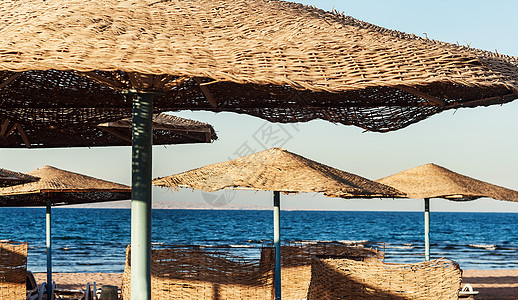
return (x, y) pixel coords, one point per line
(167, 130)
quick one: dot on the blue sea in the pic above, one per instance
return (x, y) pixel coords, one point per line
(94, 240)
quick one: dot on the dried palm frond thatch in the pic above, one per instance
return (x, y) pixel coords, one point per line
(8, 178)
(277, 169)
(433, 181)
(281, 61)
(167, 130)
(62, 187)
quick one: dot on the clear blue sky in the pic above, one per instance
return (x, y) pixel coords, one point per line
(480, 142)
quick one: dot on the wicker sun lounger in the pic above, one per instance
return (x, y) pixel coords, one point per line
(342, 278)
(186, 273)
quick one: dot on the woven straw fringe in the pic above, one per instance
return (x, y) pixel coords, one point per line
(296, 263)
(13, 270)
(342, 278)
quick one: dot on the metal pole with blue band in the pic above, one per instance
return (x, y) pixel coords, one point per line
(142, 131)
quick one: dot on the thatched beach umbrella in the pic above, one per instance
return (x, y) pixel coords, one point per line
(167, 130)
(8, 178)
(280, 61)
(278, 170)
(60, 187)
(433, 181)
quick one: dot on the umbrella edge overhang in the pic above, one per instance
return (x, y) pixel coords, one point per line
(334, 194)
(451, 197)
(459, 197)
(56, 191)
(327, 193)
(279, 170)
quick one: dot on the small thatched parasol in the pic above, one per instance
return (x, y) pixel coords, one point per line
(59, 187)
(8, 178)
(433, 181)
(278, 170)
(167, 130)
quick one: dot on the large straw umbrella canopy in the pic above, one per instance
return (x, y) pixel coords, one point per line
(60, 187)
(280, 61)
(433, 181)
(8, 178)
(278, 170)
(167, 130)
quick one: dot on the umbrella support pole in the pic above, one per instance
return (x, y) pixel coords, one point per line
(426, 229)
(48, 231)
(141, 196)
(277, 242)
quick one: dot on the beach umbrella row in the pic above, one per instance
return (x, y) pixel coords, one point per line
(275, 170)
(433, 181)
(278, 170)
(277, 60)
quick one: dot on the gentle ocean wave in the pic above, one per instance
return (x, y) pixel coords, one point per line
(483, 246)
(95, 240)
(399, 247)
(352, 242)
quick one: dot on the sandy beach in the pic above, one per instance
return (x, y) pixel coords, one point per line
(79, 280)
(492, 284)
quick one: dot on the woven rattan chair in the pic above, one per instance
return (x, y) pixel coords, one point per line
(342, 278)
(187, 273)
(296, 262)
(13, 270)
